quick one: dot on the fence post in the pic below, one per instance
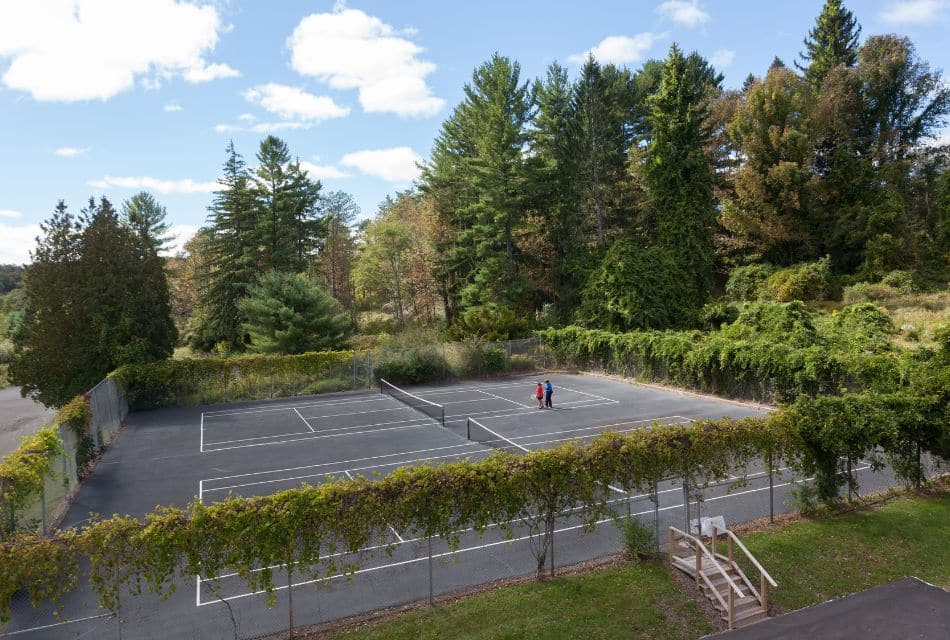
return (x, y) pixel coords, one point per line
(686, 503)
(43, 505)
(771, 489)
(431, 600)
(355, 370)
(509, 356)
(656, 514)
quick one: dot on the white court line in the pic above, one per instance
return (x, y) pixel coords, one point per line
(406, 461)
(59, 624)
(201, 442)
(304, 420)
(316, 436)
(584, 393)
(400, 407)
(288, 407)
(431, 449)
(490, 544)
(579, 404)
(505, 399)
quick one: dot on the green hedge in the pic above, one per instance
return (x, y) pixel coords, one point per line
(772, 352)
(208, 380)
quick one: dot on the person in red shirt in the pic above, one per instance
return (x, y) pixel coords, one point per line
(539, 394)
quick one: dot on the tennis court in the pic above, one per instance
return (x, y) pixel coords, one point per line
(167, 457)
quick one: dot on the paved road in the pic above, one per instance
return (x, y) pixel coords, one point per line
(19, 417)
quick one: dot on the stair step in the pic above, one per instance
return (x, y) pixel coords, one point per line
(748, 616)
(748, 602)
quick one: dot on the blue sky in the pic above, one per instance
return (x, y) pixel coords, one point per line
(109, 97)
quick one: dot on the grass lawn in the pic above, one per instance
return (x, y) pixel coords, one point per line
(823, 558)
(812, 560)
(629, 601)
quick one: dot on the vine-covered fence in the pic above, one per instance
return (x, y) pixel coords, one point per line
(37, 478)
(310, 530)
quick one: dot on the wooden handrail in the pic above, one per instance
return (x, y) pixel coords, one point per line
(716, 592)
(763, 572)
(712, 558)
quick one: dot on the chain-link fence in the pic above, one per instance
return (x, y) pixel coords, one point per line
(43, 508)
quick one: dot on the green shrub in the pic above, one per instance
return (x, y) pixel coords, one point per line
(638, 288)
(903, 281)
(808, 281)
(636, 537)
(714, 315)
(6, 352)
(411, 366)
(521, 362)
(492, 322)
(863, 327)
(745, 282)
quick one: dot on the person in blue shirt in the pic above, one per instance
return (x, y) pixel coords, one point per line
(548, 390)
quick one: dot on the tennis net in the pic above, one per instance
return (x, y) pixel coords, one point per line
(477, 432)
(431, 409)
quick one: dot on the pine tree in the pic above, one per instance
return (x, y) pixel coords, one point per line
(286, 201)
(603, 111)
(832, 42)
(288, 313)
(678, 170)
(232, 260)
(143, 213)
(554, 193)
(477, 177)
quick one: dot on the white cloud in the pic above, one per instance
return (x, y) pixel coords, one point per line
(74, 50)
(186, 185)
(323, 172)
(619, 49)
(913, 11)
(685, 12)
(16, 242)
(397, 165)
(227, 128)
(293, 103)
(70, 152)
(271, 127)
(207, 73)
(173, 107)
(246, 117)
(180, 233)
(722, 58)
(10, 213)
(940, 139)
(349, 49)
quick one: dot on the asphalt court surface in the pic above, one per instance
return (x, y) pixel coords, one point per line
(172, 456)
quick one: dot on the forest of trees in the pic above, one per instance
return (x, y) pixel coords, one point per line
(620, 199)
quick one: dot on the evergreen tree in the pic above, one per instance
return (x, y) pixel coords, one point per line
(832, 42)
(678, 170)
(286, 201)
(477, 177)
(232, 258)
(603, 113)
(554, 193)
(289, 313)
(97, 299)
(143, 213)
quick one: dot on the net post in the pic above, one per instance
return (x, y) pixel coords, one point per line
(468, 428)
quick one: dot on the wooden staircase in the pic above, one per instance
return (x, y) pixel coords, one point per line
(720, 578)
